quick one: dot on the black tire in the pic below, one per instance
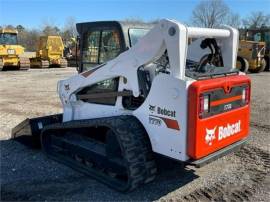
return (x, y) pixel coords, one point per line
(260, 68)
(267, 68)
(244, 64)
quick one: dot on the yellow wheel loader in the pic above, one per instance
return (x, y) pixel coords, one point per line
(261, 35)
(49, 53)
(253, 52)
(251, 56)
(10, 51)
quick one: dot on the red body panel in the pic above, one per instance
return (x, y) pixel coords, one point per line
(198, 128)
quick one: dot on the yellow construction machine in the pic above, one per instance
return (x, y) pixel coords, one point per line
(251, 56)
(253, 53)
(261, 35)
(10, 51)
(49, 53)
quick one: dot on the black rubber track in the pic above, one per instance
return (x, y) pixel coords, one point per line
(145, 146)
(135, 148)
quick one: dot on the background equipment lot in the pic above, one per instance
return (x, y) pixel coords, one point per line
(28, 175)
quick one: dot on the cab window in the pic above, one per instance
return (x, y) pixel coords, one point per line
(91, 47)
(135, 34)
(106, 86)
(8, 39)
(99, 47)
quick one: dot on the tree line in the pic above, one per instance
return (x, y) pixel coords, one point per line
(213, 13)
(207, 13)
(28, 38)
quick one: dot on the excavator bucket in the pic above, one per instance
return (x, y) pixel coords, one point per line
(28, 131)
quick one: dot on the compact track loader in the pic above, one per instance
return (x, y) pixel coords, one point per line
(49, 53)
(10, 51)
(186, 102)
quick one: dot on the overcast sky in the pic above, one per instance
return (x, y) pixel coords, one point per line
(33, 13)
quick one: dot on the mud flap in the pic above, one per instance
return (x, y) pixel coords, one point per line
(28, 131)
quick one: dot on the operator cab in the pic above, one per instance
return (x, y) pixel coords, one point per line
(8, 37)
(105, 40)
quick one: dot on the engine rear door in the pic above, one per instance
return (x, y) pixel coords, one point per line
(218, 114)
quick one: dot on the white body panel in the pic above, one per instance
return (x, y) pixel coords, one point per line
(168, 90)
(164, 140)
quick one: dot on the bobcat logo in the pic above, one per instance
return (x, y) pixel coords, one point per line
(152, 108)
(210, 136)
(67, 88)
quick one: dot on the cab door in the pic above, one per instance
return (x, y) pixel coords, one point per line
(99, 43)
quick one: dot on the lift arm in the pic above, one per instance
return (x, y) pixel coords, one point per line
(167, 35)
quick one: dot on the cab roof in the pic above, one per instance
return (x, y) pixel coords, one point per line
(123, 26)
(8, 30)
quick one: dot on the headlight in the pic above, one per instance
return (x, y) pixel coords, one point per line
(11, 51)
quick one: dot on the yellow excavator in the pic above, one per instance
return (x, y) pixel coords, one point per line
(11, 51)
(49, 53)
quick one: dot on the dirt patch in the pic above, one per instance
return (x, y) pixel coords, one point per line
(253, 174)
(27, 175)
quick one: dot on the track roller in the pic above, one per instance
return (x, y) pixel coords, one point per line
(114, 150)
(24, 63)
(44, 64)
(1, 65)
(63, 63)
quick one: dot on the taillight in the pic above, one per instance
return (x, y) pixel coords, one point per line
(204, 104)
(245, 95)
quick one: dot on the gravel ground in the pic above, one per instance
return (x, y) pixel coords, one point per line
(27, 174)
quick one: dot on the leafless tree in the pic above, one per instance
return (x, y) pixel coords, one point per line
(9, 27)
(233, 19)
(210, 13)
(48, 27)
(69, 31)
(50, 30)
(256, 20)
(133, 20)
(136, 20)
(29, 39)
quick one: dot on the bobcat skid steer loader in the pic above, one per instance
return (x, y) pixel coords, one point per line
(158, 96)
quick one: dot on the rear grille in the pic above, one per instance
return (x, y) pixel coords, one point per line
(220, 101)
